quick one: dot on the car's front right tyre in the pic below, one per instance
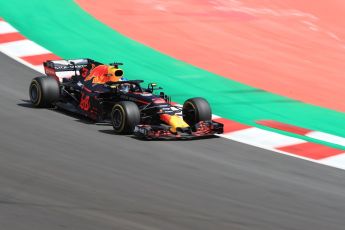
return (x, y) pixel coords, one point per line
(195, 110)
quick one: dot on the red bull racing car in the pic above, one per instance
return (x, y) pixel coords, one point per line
(101, 93)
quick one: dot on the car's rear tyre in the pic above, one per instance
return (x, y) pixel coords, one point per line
(44, 91)
(125, 115)
(195, 110)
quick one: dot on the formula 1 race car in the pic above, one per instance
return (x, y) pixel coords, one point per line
(100, 92)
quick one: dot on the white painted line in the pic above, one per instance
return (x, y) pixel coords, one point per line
(6, 28)
(327, 137)
(23, 48)
(263, 138)
(337, 161)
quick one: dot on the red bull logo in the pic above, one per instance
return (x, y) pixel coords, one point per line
(104, 73)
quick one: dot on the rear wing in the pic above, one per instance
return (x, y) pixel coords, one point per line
(70, 67)
(67, 68)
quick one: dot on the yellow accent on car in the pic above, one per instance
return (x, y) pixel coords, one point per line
(175, 122)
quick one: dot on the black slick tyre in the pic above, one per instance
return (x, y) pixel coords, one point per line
(195, 110)
(44, 91)
(125, 115)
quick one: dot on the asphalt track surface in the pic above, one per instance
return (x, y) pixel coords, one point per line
(60, 172)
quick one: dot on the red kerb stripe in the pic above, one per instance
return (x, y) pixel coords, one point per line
(39, 59)
(311, 150)
(284, 127)
(11, 37)
(231, 126)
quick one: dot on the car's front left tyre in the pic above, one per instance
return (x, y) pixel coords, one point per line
(125, 115)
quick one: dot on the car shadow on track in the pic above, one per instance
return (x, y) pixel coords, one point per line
(26, 104)
(78, 117)
(176, 139)
(110, 131)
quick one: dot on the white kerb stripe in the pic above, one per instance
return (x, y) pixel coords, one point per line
(215, 116)
(337, 161)
(263, 138)
(327, 137)
(22, 48)
(6, 28)
(39, 68)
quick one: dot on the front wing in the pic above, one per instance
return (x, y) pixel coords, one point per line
(201, 129)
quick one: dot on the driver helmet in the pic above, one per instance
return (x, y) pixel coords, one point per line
(114, 74)
(125, 88)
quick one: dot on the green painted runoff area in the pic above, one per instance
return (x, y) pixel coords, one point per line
(64, 28)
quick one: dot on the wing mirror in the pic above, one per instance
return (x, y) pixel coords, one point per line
(152, 86)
